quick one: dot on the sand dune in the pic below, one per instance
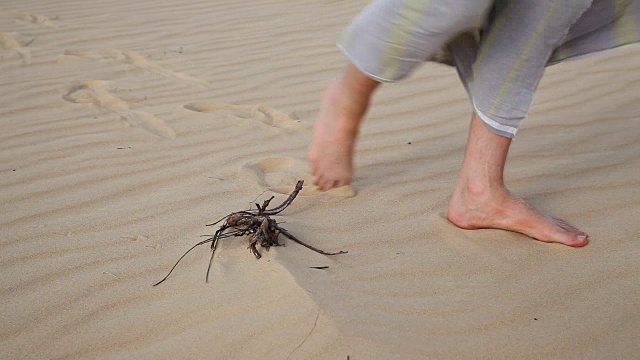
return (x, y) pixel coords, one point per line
(125, 127)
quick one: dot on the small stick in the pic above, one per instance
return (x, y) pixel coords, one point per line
(261, 228)
(182, 257)
(287, 202)
(290, 236)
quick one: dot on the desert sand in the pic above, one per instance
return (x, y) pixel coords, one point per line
(127, 126)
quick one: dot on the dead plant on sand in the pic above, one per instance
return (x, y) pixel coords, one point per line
(258, 225)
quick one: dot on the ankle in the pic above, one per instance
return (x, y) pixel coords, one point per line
(479, 186)
(347, 113)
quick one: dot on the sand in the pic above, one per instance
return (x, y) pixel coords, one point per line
(127, 126)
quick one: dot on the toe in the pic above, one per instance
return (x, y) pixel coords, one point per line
(566, 226)
(580, 240)
(317, 181)
(342, 183)
(328, 185)
(571, 239)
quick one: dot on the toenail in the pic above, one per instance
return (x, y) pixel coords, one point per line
(582, 237)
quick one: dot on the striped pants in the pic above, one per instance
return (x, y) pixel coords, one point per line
(500, 48)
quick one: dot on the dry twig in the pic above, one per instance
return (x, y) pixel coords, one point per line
(258, 225)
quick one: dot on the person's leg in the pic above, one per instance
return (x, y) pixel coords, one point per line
(502, 72)
(343, 107)
(384, 43)
(502, 80)
(481, 200)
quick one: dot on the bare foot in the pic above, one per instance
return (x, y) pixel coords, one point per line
(499, 209)
(334, 134)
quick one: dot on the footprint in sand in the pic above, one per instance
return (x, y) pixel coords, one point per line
(37, 19)
(280, 174)
(17, 43)
(136, 59)
(97, 92)
(264, 114)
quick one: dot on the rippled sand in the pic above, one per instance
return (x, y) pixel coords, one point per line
(125, 127)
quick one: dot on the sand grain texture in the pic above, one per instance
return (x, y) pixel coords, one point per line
(126, 126)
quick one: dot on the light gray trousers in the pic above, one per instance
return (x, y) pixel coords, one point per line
(500, 48)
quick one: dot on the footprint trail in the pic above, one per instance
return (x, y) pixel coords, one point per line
(96, 92)
(136, 59)
(37, 19)
(280, 174)
(264, 114)
(17, 43)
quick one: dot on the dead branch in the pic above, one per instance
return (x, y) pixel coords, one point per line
(258, 225)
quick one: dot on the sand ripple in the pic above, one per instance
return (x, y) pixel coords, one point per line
(127, 126)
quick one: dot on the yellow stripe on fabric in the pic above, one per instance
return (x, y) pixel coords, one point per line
(406, 21)
(625, 28)
(498, 23)
(525, 53)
